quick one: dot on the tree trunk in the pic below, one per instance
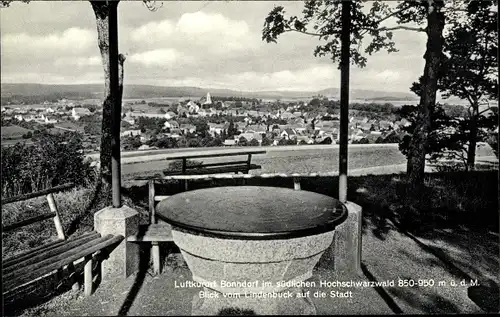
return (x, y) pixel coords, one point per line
(418, 143)
(101, 11)
(471, 153)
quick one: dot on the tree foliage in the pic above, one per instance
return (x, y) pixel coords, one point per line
(322, 19)
(50, 161)
(449, 136)
(469, 70)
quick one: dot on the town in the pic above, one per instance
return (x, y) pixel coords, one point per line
(208, 122)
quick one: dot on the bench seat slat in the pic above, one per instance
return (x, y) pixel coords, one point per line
(29, 221)
(19, 257)
(160, 198)
(151, 233)
(217, 164)
(54, 257)
(42, 255)
(61, 260)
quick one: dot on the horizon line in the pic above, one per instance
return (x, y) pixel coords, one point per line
(206, 88)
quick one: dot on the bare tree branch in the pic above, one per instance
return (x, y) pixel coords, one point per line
(305, 32)
(399, 27)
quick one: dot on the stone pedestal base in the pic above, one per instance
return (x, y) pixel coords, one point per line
(347, 242)
(124, 259)
(210, 302)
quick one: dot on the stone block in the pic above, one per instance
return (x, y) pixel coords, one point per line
(347, 243)
(124, 259)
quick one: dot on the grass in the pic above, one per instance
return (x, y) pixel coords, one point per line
(74, 208)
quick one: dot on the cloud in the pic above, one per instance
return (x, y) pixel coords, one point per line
(209, 23)
(160, 57)
(153, 32)
(204, 33)
(69, 41)
(78, 61)
(387, 76)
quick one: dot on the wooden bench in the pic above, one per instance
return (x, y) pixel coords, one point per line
(218, 167)
(26, 267)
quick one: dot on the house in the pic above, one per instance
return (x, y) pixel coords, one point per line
(385, 125)
(306, 139)
(187, 128)
(130, 133)
(258, 137)
(129, 120)
(182, 110)
(175, 133)
(229, 142)
(192, 107)
(297, 121)
(47, 120)
(145, 137)
(405, 123)
(259, 128)
(288, 133)
(286, 115)
(253, 113)
(215, 128)
(137, 114)
(170, 115)
(366, 126)
(172, 124)
(78, 112)
(247, 135)
(50, 110)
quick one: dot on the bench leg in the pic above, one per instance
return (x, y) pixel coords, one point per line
(155, 250)
(87, 276)
(73, 278)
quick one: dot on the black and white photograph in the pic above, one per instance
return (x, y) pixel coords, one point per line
(213, 158)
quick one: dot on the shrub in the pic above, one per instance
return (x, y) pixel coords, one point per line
(253, 142)
(50, 161)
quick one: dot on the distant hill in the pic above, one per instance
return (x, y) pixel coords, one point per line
(89, 91)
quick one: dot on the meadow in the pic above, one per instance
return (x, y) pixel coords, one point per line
(297, 159)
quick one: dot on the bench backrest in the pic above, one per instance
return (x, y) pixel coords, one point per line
(184, 159)
(54, 213)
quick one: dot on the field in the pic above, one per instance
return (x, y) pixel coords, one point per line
(299, 159)
(13, 132)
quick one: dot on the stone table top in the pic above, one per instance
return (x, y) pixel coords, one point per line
(252, 212)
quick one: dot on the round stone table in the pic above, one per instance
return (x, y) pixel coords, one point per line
(251, 248)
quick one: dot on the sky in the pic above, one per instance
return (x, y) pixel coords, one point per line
(207, 44)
